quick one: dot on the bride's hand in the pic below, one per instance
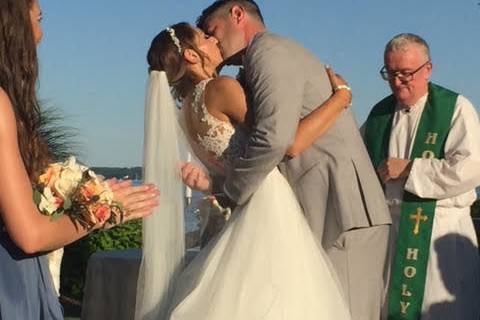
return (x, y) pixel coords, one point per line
(137, 201)
(340, 86)
(195, 178)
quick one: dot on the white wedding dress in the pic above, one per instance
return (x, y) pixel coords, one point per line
(265, 263)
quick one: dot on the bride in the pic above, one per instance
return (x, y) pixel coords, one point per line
(265, 263)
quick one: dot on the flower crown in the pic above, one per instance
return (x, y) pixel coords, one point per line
(175, 39)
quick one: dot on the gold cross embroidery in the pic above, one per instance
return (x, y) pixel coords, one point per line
(418, 217)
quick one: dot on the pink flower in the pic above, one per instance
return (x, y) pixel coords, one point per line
(101, 212)
(59, 202)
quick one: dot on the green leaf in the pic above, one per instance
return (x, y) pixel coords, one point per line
(67, 203)
(57, 214)
(37, 197)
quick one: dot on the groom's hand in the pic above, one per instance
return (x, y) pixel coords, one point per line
(195, 178)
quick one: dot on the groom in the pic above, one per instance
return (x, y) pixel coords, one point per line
(333, 179)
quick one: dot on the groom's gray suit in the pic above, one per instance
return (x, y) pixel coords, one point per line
(334, 180)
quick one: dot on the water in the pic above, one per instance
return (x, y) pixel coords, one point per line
(191, 220)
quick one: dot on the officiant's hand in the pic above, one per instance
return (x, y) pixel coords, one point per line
(394, 168)
(195, 178)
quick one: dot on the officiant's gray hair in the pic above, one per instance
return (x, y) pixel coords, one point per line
(222, 7)
(400, 41)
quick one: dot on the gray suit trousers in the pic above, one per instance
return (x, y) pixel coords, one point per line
(358, 255)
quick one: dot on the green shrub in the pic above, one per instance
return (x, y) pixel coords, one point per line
(74, 264)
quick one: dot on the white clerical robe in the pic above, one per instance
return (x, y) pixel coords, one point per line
(452, 288)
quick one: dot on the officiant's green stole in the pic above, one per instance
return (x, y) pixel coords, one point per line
(408, 273)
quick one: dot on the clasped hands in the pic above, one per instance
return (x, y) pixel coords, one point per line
(140, 201)
(137, 201)
(394, 168)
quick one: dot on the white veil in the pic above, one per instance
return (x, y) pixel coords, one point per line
(163, 231)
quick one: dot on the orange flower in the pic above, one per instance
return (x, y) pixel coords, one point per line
(87, 192)
(93, 187)
(50, 176)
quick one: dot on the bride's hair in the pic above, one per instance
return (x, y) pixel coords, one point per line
(18, 77)
(165, 54)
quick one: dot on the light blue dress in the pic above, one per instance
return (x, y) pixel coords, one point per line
(26, 288)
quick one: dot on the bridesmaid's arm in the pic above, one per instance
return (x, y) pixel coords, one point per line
(31, 231)
(314, 125)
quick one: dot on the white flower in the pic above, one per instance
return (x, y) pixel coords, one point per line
(48, 203)
(69, 177)
(107, 195)
(92, 174)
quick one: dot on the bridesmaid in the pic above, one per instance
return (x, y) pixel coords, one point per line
(26, 290)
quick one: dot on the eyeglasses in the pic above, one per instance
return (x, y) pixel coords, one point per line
(402, 76)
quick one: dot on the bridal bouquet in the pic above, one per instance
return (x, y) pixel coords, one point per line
(72, 189)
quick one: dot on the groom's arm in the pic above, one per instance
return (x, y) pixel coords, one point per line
(276, 86)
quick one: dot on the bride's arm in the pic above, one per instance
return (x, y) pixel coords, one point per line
(322, 118)
(225, 99)
(31, 231)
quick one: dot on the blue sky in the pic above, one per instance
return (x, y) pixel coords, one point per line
(92, 59)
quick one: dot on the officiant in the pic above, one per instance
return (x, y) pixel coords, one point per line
(424, 142)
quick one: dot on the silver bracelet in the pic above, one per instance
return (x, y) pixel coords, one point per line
(342, 86)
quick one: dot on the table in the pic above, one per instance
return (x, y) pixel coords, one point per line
(111, 284)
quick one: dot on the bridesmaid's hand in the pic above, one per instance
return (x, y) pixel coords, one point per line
(137, 201)
(195, 178)
(340, 87)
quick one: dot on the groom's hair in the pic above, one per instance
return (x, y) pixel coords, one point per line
(222, 7)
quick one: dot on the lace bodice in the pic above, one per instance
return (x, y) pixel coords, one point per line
(223, 140)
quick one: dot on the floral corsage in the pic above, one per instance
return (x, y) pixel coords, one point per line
(75, 190)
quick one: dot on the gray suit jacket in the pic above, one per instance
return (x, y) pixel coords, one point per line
(285, 82)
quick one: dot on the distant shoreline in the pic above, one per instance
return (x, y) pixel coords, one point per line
(136, 174)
